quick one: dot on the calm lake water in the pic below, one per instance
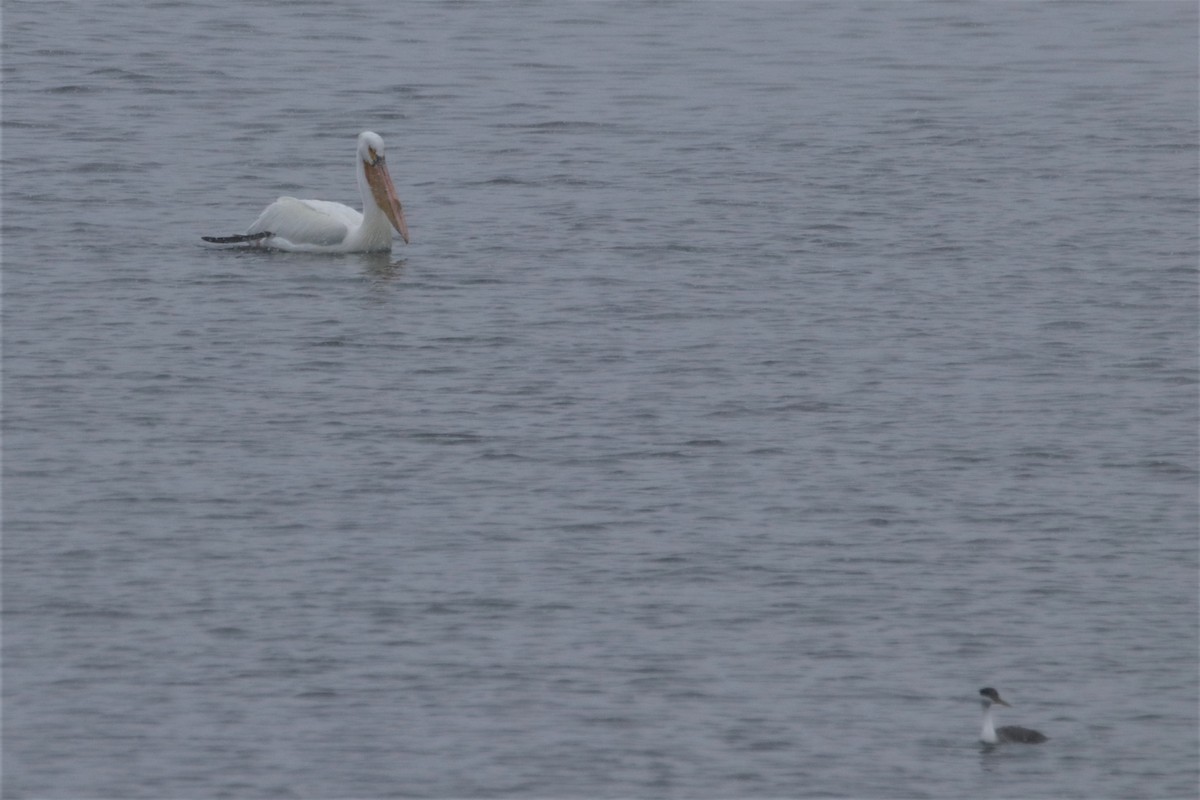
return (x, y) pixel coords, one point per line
(762, 380)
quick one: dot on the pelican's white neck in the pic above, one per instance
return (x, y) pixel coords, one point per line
(988, 734)
(369, 206)
(375, 232)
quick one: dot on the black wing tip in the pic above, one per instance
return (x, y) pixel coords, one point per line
(241, 237)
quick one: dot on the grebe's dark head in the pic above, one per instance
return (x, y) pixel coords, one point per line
(990, 696)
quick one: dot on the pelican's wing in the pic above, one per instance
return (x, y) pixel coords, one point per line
(307, 222)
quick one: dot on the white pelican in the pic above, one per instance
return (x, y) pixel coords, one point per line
(1009, 733)
(319, 226)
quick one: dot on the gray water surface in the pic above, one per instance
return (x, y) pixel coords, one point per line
(762, 380)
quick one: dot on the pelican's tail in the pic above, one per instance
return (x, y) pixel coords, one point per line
(241, 237)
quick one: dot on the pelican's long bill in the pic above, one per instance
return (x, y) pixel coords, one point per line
(385, 195)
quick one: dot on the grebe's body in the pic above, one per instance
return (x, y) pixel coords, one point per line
(1008, 733)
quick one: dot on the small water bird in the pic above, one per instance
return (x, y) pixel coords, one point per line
(1009, 733)
(319, 226)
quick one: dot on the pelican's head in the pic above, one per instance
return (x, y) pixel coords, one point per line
(990, 696)
(370, 147)
(370, 153)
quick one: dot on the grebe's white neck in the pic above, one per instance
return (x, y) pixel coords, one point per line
(988, 734)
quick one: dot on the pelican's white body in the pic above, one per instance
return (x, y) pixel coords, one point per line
(319, 226)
